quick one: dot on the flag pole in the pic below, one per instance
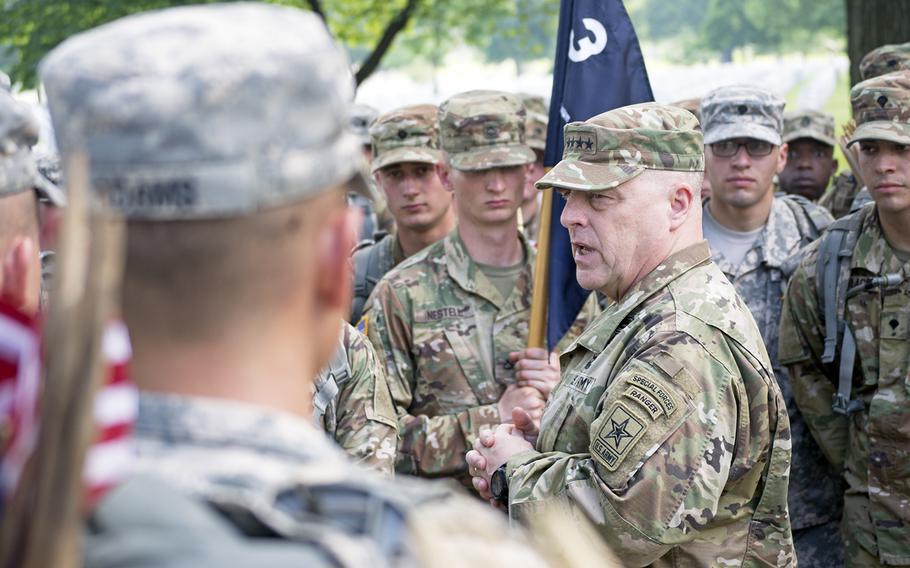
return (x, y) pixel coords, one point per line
(538, 330)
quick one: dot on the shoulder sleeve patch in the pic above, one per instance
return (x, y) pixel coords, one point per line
(363, 326)
(642, 408)
(617, 435)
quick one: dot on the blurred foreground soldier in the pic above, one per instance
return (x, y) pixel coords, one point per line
(235, 288)
(845, 333)
(536, 137)
(352, 403)
(668, 430)
(809, 136)
(452, 320)
(847, 194)
(23, 191)
(752, 233)
(405, 153)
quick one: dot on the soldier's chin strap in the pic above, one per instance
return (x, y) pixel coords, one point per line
(842, 403)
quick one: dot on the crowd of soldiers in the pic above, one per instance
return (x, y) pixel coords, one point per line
(736, 393)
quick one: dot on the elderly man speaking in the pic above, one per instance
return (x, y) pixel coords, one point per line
(667, 429)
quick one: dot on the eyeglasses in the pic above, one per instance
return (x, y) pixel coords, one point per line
(729, 148)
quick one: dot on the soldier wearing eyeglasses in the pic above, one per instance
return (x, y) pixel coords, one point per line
(752, 232)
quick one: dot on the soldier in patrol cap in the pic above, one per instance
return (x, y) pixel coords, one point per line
(23, 194)
(667, 429)
(845, 333)
(232, 179)
(809, 135)
(452, 320)
(536, 136)
(370, 202)
(752, 233)
(847, 194)
(405, 145)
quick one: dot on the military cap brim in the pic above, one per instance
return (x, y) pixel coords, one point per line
(810, 133)
(498, 156)
(407, 154)
(887, 130)
(587, 176)
(742, 129)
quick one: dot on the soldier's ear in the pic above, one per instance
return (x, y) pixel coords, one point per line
(682, 199)
(782, 157)
(333, 270)
(444, 173)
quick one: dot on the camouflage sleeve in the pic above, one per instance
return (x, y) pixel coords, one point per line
(589, 311)
(429, 446)
(659, 451)
(367, 428)
(800, 348)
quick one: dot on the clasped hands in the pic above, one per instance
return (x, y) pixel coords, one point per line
(520, 409)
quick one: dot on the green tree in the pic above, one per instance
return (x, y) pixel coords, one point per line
(31, 28)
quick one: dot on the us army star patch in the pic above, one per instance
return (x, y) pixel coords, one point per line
(617, 435)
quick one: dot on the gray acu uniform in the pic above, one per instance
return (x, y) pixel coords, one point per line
(815, 490)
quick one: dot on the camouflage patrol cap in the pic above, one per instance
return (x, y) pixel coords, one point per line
(742, 111)
(18, 171)
(407, 134)
(616, 146)
(535, 121)
(885, 59)
(361, 117)
(881, 108)
(692, 105)
(809, 124)
(484, 129)
(208, 111)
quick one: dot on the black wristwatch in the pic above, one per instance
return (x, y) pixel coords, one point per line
(499, 485)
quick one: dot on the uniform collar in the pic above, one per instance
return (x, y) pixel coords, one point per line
(189, 421)
(781, 237)
(599, 333)
(465, 272)
(778, 240)
(872, 251)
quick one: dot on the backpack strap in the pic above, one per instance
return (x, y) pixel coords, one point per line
(370, 264)
(832, 290)
(813, 218)
(329, 383)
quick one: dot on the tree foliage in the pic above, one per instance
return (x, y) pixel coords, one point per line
(721, 26)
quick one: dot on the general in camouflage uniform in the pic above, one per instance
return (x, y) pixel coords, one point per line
(759, 271)
(845, 331)
(230, 469)
(405, 145)
(668, 429)
(352, 403)
(846, 194)
(536, 137)
(444, 324)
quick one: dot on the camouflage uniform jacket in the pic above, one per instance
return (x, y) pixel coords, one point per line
(446, 333)
(668, 429)
(352, 403)
(273, 474)
(873, 446)
(815, 488)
